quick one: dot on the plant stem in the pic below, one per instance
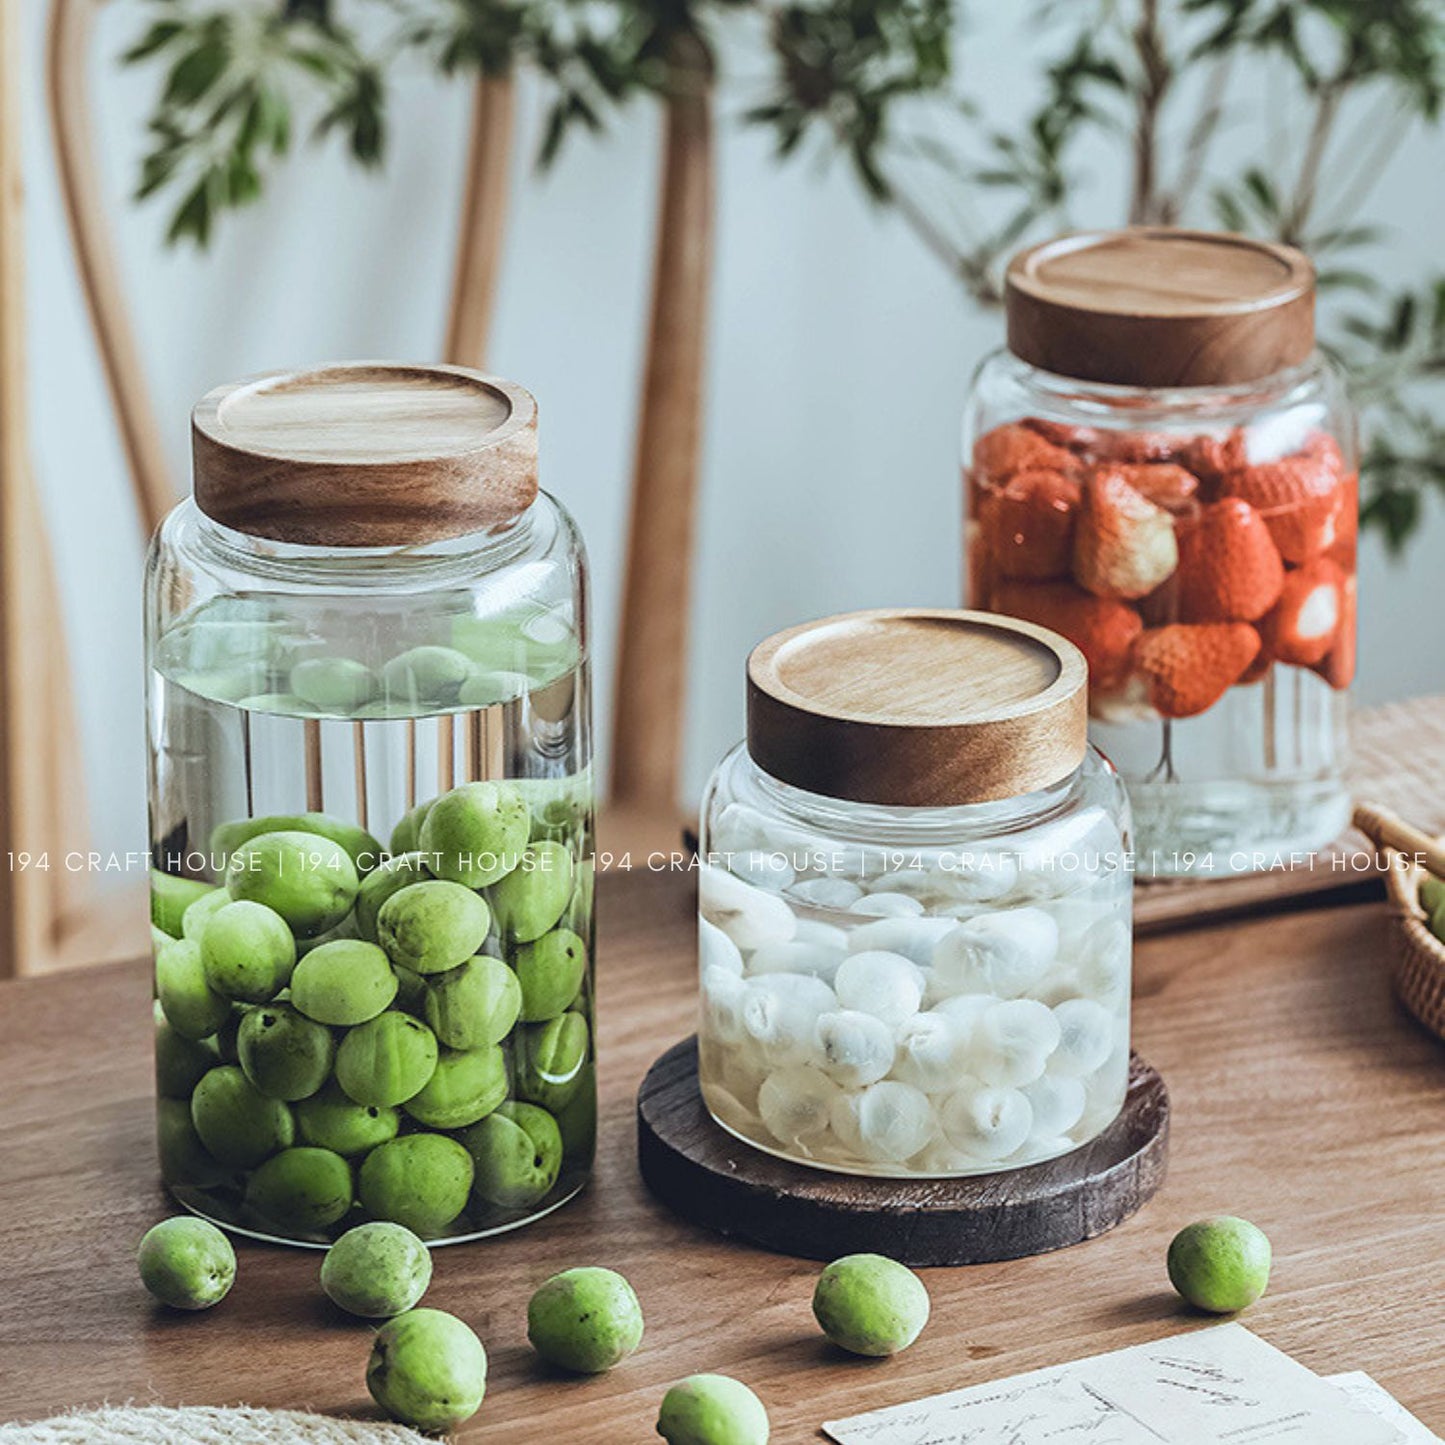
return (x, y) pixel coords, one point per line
(1197, 143)
(1156, 75)
(1306, 191)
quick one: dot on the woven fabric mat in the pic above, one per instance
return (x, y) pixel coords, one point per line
(1397, 760)
(205, 1425)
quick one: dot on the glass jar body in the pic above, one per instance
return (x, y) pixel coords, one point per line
(331, 1045)
(914, 991)
(1199, 546)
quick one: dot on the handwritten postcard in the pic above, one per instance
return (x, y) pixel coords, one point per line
(1221, 1384)
(1375, 1398)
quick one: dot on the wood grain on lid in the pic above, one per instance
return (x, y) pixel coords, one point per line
(917, 707)
(1156, 307)
(365, 454)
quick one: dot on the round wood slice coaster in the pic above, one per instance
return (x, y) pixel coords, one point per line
(698, 1169)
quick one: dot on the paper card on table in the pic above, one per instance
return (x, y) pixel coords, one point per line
(1217, 1384)
(1377, 1399)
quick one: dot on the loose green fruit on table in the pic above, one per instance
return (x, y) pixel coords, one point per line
(187, 1263)
(870, 1305)
(1220, 1265)
(286, 1055)
(517, 1151)
(427, 1369)
(475, 834)
(376, 1270)
(419, 1180)
(433, 925)
(343, 982)
(306, 878)
(585, 1320)
(302, 1189)
(712, 1410)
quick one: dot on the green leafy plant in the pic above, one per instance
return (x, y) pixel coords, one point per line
(1146, 89)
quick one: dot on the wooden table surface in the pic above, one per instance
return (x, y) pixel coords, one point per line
(1304, 1098)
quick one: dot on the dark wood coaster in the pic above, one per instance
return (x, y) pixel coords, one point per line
(706, 1175)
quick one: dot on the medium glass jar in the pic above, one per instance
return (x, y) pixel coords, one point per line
(1162, 468)
(914, 930)
(371, 809)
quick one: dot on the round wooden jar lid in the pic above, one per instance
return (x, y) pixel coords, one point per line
(1157, 307)
(917, 708)
(365, 454)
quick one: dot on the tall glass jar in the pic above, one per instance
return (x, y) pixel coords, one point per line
(371, 809)
(1162, 468)
(914, 903)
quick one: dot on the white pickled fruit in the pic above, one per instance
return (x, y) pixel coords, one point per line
(828, 935)
(1086, 1037)
(887, 905)
(795, 1104)
(1057, 1102)
(980, 879)
(895, 1121)
(716, 950)
(749, 916)
(930, 1052)
(854, 1048)
(914, 938)
(911, 881)
(886, 985)
(780, 1013)
(767, 868)
(794, 957)
(723, 996)
(1004, 953)
(826, 892)
(1012, 1042)
(986, 1123)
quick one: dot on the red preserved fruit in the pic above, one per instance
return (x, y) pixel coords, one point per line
(1165, 484)
(1303, 625)
(1299, 498)
(1000, 453)
(1188, 668)
(1028, 524)
(1229, 566)
(1102, 628)
(1123, 545)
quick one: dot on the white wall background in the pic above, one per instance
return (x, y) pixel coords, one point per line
(840, 355)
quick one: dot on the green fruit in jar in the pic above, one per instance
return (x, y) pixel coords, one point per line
(474, 1005)
(427, 676)
(577, 1118)
(487, 689)
(344, 982)
(585, 1320)
(363, 850)
(391, 877)
(237, 1123)
(870, 1305)
(227, 1037)
(551, 1057)
(405, 837)
(550, 973)
(301, 1190)
(309, 880)
(539, 642)
(191, 1006)
(376, 1270)
(181, 1063)
(333, 684)
(712, 1410)
(386, 1060)
(198, 914)
(286, 1055)
(187, 1263)
(419, 1180)
(475, 834)
(464, 1087)
(535, 894)
(517, 1152)
(427, 1369)
(171, 896)
(330, 1120)
(410, 992)
(183, 1157)
(283, 704)
(433, 926)
(248, 952)
(1220, 1265)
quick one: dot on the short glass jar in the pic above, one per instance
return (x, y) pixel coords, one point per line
(371, 812)
(1162, 468)
(914, 931)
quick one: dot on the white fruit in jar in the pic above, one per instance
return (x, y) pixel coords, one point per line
(886, 985)
(895, 1121)
(931, 1048)
(716, 950)
(887, 905)
(723, 995)
(977, 878)
(1012, 1042)
(827, 935)
(749, 916)
(795, 957)
(795, 1104)
(987, 1123)
(1004, 953)
(826, 892)
(1086, 1037)
(914, 938)
(855, 1049)
(764, 867)
(1057, 1102)
(780, 1013)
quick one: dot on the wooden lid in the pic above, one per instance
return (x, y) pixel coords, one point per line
(917, 708)
(365, 454)
(1150, 306)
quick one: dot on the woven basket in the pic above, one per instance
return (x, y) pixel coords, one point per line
(1420, 956)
